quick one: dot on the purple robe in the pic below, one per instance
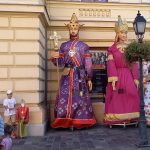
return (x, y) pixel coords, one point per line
(73, 109)
(122, 104)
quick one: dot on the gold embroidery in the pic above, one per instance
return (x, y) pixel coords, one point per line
(117, 117)
(122, 47)
(111, 79)
(110, 57)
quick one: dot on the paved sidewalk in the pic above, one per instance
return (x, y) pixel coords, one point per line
(96, 138)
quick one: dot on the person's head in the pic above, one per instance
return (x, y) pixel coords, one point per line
(121, 29)
(7, 130)
(22, 103)
(9, 94)
(74, 26)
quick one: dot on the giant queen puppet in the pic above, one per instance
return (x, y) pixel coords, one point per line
(73, 106)
(122, 98)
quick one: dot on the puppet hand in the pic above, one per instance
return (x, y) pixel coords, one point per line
(54, 54)
(136, 83)
(90, 85)
(113, 85)
(144, 80)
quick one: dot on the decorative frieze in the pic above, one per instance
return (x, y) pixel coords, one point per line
(97, 13)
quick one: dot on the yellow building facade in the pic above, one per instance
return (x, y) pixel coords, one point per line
(25, 45)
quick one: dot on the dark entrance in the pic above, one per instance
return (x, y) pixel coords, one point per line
(99, 60)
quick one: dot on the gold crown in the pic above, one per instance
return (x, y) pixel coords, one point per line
(74, 18)
(121, 25)
(74, 22)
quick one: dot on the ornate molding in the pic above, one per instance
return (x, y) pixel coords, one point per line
(96, 13)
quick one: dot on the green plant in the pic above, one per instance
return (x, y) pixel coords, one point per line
(135, 50)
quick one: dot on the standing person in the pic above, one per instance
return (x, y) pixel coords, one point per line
(1, 127)
(147, 100)
(10, 110)
(122, 99)
(73, 105)
(7, 141)
(22, 119)
(1, 132)
(146, 86)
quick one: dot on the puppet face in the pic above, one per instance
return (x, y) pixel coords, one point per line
(22, 104)
(74, 29)
(122, 36)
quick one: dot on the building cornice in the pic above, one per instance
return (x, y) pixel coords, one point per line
(26, 8)
(86, 5)
(28, 2)
(95, 12)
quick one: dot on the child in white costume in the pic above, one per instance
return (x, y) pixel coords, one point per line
(9, 104)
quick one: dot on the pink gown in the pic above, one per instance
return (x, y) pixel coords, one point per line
(122, 104)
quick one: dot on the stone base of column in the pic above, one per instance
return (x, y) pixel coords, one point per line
(36, 129)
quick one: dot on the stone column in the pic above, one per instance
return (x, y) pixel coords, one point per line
(23, 42)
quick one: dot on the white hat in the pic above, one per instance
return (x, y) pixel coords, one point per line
(9, 91)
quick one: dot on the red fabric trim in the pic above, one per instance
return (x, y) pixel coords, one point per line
(76, 61)
(76, 123)
(70, 94)
(51, 59)
(73, 44)
(87, 55)
(61, 55)
(83, 123)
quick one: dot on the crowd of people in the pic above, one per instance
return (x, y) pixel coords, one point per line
(14, 121)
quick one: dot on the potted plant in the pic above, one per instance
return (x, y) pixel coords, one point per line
(135, 50)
